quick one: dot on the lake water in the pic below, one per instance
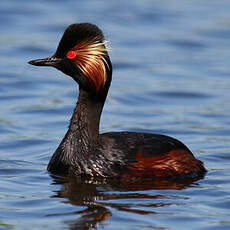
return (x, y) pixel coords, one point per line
(171, 76)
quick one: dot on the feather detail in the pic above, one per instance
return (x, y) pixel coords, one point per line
(90, 59)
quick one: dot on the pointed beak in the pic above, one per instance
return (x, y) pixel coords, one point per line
(50, 61)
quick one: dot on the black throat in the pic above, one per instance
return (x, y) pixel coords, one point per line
(82, 138)
(85, 121)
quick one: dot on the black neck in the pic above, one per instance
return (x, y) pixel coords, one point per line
(86, 117)
(81, 138)
(85, 121)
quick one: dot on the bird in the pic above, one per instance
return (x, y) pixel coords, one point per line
(82, 54)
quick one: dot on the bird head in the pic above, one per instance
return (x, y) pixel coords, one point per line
(82, 54)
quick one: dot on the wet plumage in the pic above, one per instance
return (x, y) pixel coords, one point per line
(82, 54)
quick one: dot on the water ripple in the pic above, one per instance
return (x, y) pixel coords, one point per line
(171, 76)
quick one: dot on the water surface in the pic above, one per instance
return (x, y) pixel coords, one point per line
(171, 76)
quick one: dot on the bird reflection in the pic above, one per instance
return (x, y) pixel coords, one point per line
(97, 198)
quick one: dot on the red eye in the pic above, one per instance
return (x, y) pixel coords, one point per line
(71, 54)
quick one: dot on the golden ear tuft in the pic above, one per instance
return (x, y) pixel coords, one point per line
(90, 59)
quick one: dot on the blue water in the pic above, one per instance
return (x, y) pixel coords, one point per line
(171, 76)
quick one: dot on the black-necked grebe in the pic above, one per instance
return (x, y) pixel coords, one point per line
(82, 54)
